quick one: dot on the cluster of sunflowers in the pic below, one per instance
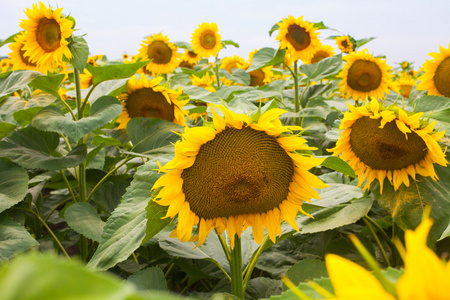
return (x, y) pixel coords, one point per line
(251, 168)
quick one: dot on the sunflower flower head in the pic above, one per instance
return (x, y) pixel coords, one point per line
(206, 40)
(403, 85)
(322, 52)
(147, 98)
(163, 54)
(261, 76)
(241, 173)
(46, 34)
(364, 76)
(436, 77)
(345, 44)
(387, 142)
(20, 61)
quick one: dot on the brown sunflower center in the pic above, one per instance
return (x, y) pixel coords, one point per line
(298, 37)
(48, 34)
(319, 55)
(385, 148)
(230, 66)
(208, 40)
(240, 171)
(442, 77)
(192, 54)
(364, 76)
(257, 77)
(25, 59)
(145, 102)
(160, 52)
(344, 43)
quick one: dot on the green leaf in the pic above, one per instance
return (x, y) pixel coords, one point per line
(155, 219)
(184, 45)
(5, 129)
(103, 111)
(25, 116)
(266, 57)
(83, 218)
(274, 28)
(80, 53)
(430, 103)
(10, 39)
(16, 80)
(322, 69)
(125, 228)
(35, 149)
(14, 239)
(13, 184)
(362, 42)
(111, 72)
(149, 279)
(263, 287)
(49, 84)
(338, 164)
(148, 134)
(237, 75)
(305, 270)
(337, 193)
(198, 93)
(229, 42)
(102, 140)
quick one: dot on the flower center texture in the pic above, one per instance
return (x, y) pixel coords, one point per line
(257, 78)
(160, 52)
(48, 35)
(298, 37)
(385, 148)
(364, 76)
(442, 77)
(208, 40)
(240, 171)
(147, 103)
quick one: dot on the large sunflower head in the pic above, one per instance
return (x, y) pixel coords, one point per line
(322, 52)
(206, 40)
(380, 142)
(299, 37)
(19, 60)
(241, 173)
(436, 79)
(364, 76)
(163, 54)
(45, 36)
(344, 44)
(146, 98)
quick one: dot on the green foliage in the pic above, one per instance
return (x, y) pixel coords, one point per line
(83, 218)
(111, 72)
(14, 239)
(13, 184)
(49, 84)
(266, 57)
(16, 80)
(80, 52)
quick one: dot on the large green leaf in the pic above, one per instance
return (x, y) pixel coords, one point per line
(322, 69)
(305, 270)
(266, 57)
(14, 239)
(16, 80)
(52, 118)
(80, 53)
(337, 193)
(338, 164)
(237, 75)
(110, 72)
(12, 109)
(49, 84)
(5, 129)
(430, 103)
(25, 116)
(125, 228)
(35, 149)
(13, 184)
(198, 93)
(149, 279)
(83, 218)
(148, 134)
(155, 219)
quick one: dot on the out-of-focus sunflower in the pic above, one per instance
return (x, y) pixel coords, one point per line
(261, 76)
(364, 76)
(146, 98)
(380, 142)
(85, 79)
(322, 52)
(404, 85)
(242, 173)
(344, 44)
(299, 37)
(163, 54)
(190, 56)
(19, 60)
(206, 40)
(436, 77)
(205, 82)
(231, 62)
(5, 64)
(45, 36)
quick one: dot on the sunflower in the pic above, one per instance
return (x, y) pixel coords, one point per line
(45, 36)
(380, 142)
(364, 76)
(322, 52)
(261, 76)
(19, 60)
(241, 173)
(85, 79)
(299, 37)
(146, 98)
(344, 43)
(205, 82)
(206, 40)
(404, 85)
(163, 54)
(436, 79)
(190, 57)
(231, 62)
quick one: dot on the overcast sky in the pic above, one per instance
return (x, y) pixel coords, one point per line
(404, 29)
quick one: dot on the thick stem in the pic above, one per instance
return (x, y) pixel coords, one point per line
(237, 286)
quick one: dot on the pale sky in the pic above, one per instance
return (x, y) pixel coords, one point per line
(404, 29)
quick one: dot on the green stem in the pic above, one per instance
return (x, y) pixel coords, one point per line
(76, 74)
(70, 109)
(87, 98)
(377, 240)
(251, 265)
(300, 101)
(383, 233)
(237, 286)
(224, 245)
(55, 208)
(68, 186)
(216, 71)
(84, 248)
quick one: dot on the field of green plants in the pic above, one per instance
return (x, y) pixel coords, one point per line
(301, 172)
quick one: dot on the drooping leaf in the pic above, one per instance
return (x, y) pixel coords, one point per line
(83, 218)
(80, 52)
(49, 84)
(322, 69)
(274, 28)
(266, 57)
(111, 72)
(225, 43)
(13, 184)
(14, 239)
(16, 80)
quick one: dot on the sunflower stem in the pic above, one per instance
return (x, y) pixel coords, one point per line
(237, 286)
(224, 245)
(253, 260)
(377, 240)
(216, 72)
(296, 100)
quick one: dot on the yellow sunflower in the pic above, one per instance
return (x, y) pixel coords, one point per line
(380, 142)
(404, 85)
(241, 173)
(231, 62)
(299, 37)
(163, 54)
(364, 76)
(146, 98)
(206, 40)
(344, 44)
(436, 79)
(205, 82)
(322, 51)
(19, 60)
(85, 79)
(190, 56)
(261, 76)
(45, 36)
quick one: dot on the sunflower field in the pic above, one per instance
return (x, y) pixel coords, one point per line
(303, 172)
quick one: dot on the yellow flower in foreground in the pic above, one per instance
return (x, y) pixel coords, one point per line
(344, 43)
(163, 54)
(364, 76)
(436, 79)
(381, 143)
(299, 37)
(45, 36)
(241, 173)
(146, 98)
(206, 40)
